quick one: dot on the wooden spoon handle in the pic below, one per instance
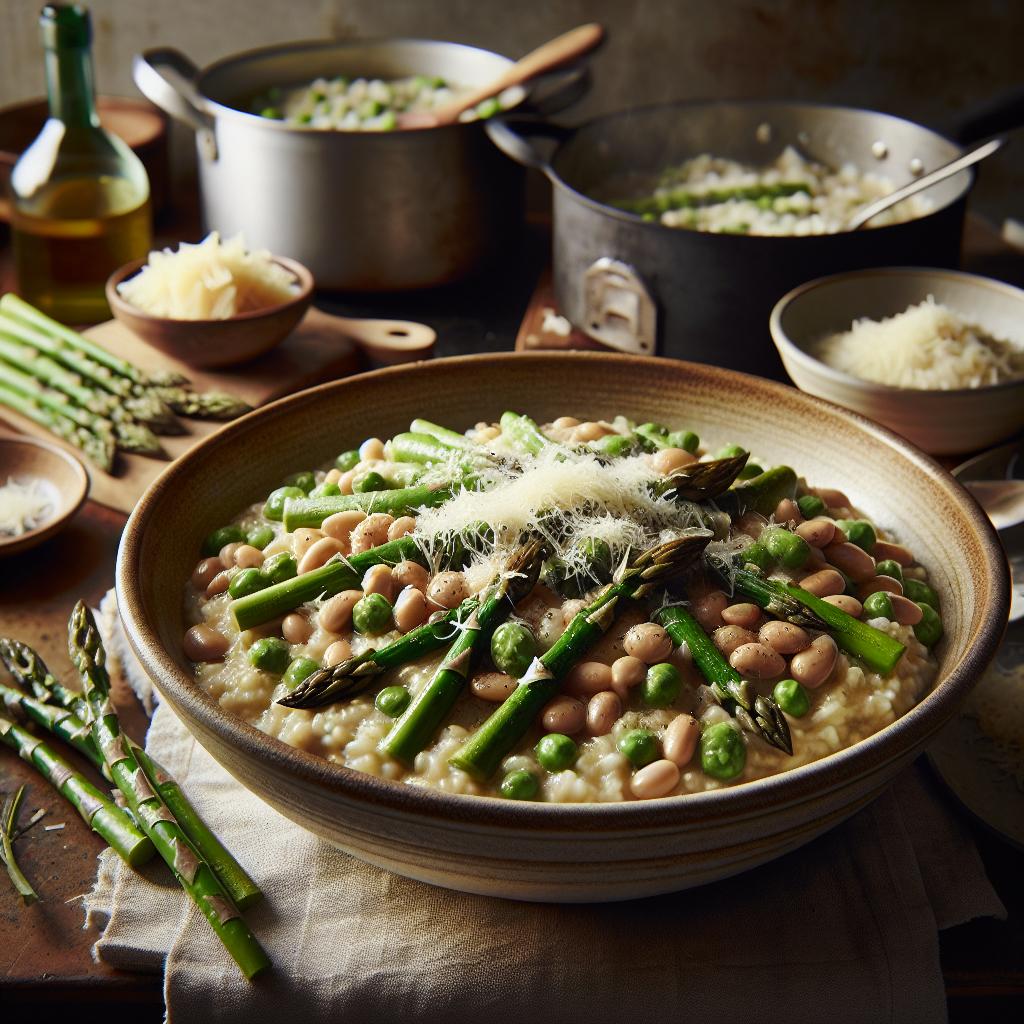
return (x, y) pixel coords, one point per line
(389, 341)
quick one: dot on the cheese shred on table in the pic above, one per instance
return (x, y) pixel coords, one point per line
(23, 506)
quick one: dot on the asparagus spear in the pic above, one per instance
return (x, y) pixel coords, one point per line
(29, 670)
(757, 714)
(202, 405)
(449, 438)
(47, 371)
(129, 436)
(8, 820)
(196, 876)
(402, 501)
(243, 891)
(413, 447)
(97, 449)
(96, 809)
(482, 753)
(358, 674)
(760, 494)
(702, 481)
(879, 651)
(523, 433)
(329, 579)
(414, 729)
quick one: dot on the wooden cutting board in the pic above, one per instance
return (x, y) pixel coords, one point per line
(317, 350)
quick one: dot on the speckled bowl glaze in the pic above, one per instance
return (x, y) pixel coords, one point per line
(565, 853)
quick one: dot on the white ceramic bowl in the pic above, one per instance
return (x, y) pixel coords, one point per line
(940, 422)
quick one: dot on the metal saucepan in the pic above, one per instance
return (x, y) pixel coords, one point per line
(365, 211)
(643, 287)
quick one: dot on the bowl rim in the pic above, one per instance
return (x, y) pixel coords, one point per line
(798, 785)
(787, 347)
(75, 500)
(122, 307)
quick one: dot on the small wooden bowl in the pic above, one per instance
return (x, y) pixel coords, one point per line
(205, 344)
(64, 477)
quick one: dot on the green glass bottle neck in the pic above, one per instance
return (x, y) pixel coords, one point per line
(69, 86)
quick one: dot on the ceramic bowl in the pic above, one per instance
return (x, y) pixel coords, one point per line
(62, 477)
(940, 422)
(542, 851)
(206, 344)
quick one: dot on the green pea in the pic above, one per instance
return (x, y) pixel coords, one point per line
(298, 670)
(556, 752)
(662, 685)
(639, 746)
(392, 700)
(685, 439)
(373, 481)
(272, 112)
(789, 548)
(859, 532)
(513, 647)
(730, 451)
(722, 751)
(488, 108)
(759, 555)
(305, 481)
(248, 581)
(519, 785)
(889, 567)
(878, 605)
(749, 471)
(280, 567)
(811, 505)
(613, 445)
(372, 614)
(929, 629)
(224, 535)
(270, 654)
(260, 537)
(325, 490)
(919, 591)
(274, 507)
(653, 428)
(347, 460)
(791, 697)
(389, 122)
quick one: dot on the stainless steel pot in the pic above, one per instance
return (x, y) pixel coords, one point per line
(366, 211)
(643, 287)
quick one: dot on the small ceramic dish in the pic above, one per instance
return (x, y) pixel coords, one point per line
(63, 479)
(940, 422)
(205, 344)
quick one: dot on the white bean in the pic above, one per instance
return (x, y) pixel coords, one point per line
(410, 609)
(319, 554)
(204, 643)
(658, 778)
(846, 603)
(788, 511)
(854, 561)
(668, 460)
(812, 667)
(448, 589)
(411, 574)
(884, 583)
(341, 524)
(335, 613)
(219, 583)
(227, 553)
(743, 614)
(296, 628)
(603, 711)
(371, 450)
(401, 527)
(378, 580)
(648, 642)
(680, 739)
(586, 678)
(905, 611)
(824, 583)
(248, 557)
(784, 637)
(707, 609)
(757, 661)
(371, 532)
(884, 549)
(492, 686)
(817, 532)
(564, 714)
(728, 638)
(205, 571)
(336, 653)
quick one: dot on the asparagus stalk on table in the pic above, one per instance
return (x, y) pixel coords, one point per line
(755, 713)
(358, 674)
(98, 449)
(482, 753)
(194, 874)
(424, 716)
(96, 809)
(8, 823)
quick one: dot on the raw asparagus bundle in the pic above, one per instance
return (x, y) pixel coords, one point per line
(194, 874)
(482, 753)
(8, 824)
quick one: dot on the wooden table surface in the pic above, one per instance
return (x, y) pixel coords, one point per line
(45, 959)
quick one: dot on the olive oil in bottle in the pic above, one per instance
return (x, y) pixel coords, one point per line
(80, 196)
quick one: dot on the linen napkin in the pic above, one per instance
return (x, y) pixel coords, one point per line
(844, 929)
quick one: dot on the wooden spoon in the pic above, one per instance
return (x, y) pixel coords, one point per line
(388, 342)
(565, 48)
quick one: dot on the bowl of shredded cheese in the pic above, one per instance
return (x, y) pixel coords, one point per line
(211, 304)
(936, 355)
(41, 487)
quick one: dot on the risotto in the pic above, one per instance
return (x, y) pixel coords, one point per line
(572, 612)
(790, 196)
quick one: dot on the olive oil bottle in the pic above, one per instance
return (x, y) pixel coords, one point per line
(80, 196)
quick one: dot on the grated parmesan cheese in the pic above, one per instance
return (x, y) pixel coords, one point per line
(208, 281)
(997, 704)
(24, 505)
(927, 347)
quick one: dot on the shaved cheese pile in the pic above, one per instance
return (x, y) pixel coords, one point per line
(567, 496)
(208, 281)
(928, 347)
(997, 704)
(23, 506)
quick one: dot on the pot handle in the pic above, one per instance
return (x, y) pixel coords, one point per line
(554, 92)
(167, 78)
(996, 117)
(516, 144)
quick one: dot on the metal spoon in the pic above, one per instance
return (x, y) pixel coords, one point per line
(561, 50)
(972, 156)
